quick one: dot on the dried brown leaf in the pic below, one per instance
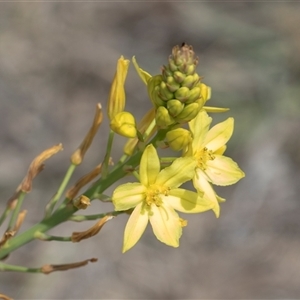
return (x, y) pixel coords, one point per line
(47, 269)
(78, 236)
(78, 155)
(73, 191)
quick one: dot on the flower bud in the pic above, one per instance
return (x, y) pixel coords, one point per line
(116, 100)
(164, 93)
(182, 94)
(172, 84)
(175, 107)
(178, 138)
(179, 76)
(191, 80)
(124, 124)
(189, 112)
(194, 95)
(163, 118)
(153, 87)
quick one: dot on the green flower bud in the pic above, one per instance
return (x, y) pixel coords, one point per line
(190, 70)
(178, 138)
(195, 94)
(179, 77)
(163, 118)
(123, 124)
(189, 112)
(175, 107)
(164, 93)
(153, 87)
(191, 80)
(182, 94)
(172, 84)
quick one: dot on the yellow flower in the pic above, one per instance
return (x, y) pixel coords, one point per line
(207, 148)
(156, 197)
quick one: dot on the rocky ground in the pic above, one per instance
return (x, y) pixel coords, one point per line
(57, 60)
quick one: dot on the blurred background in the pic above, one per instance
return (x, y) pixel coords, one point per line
(57, 61)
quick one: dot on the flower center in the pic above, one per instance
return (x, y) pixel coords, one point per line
(203, 156)
(153, 195)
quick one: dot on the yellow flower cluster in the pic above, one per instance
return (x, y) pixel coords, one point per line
(178, 98)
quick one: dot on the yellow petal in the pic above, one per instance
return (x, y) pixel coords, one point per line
(199, 127)
(223, 171)
(215, 109)
(128, 195)
(221, 150)
(135, 227)
(143, 74)
(116, 100)
(219, 135)
(187, 201)
(200, 183)
(180, 171)
(166, 225)
(150, 166)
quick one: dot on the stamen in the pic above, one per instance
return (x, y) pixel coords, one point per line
(203, 156)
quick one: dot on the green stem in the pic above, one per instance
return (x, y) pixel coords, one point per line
(46, 237)
(149, 129)
(16, 211)
(104, 172)
(50, 206)
(5, 214)
(6, 267)
(80, 218)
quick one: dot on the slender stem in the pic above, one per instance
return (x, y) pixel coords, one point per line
(107, 154)
(50, 206)
(46, 237)
(123, 158)
(136, 175)
(149, 129)
(6, 267)
(4, 214)
(16, 211)
(80, 218)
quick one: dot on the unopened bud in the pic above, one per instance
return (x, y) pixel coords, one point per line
(189, 112)
(172, 84)
(175, 107)
(178, 138)
(182, 94)
(191, 80)
(153, 87)
(195, 94)
(163, 118)
(164, 93)
(142, 127)
(116, 100)
(179, 76)
(124, 124)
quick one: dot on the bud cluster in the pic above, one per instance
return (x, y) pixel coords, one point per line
(177, 92)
